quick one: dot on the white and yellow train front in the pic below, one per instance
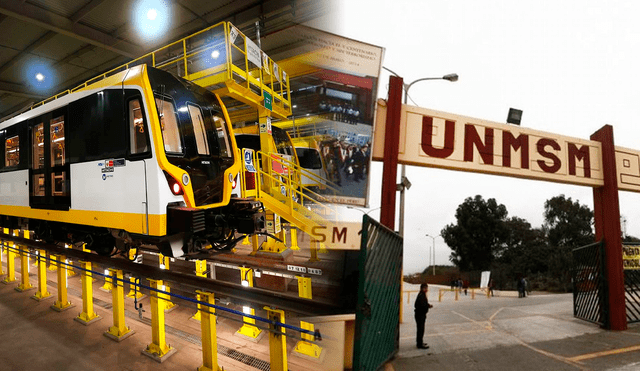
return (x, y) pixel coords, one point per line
(140, 158)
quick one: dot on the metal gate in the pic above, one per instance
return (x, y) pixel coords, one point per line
(589, 290)
(632, 291)
(377, 313)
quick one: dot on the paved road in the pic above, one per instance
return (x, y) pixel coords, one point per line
(507, 333)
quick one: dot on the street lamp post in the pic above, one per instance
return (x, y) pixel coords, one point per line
(433, 249)
(404, 182)
(362, 211)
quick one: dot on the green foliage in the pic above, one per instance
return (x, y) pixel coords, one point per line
(478, 235)
(483, 238)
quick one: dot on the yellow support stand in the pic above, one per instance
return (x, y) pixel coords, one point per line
(294, 239)
(53, 263)
(158, 350)
(277, 342)
(323, 249)
(88, 316)
(168, 304)
(133, 293)
(313, 249)
(208, 327)
(108, 282)
(42, 292)
(248, 330)
(201, 269)
(246, 241)
(25, 285)
(255, 242)
(11, 263)
(1, 252)
(119, 331)
(63, 302)
(304, 348)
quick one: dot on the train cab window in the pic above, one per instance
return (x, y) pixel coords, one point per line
(169, 126)
(223, 136)
(199, 130)
(138, 137)
(12, 151)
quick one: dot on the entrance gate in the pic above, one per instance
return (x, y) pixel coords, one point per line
(377, 313)
(589, 292)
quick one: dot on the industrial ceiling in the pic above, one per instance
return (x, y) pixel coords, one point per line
(75, 40)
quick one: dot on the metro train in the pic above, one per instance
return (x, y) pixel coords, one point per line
(138, 159)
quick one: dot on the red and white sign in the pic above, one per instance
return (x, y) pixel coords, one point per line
(444, 140)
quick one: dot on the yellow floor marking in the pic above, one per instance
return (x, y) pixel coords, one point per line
(495, 314)
(568, 361)
(481, 324)
(605, 353)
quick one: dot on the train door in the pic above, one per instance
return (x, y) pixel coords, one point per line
(49, 171)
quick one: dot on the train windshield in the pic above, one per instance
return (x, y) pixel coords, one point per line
(194, 133)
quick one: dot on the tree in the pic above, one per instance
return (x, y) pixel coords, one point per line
(525, 250)
(567, 223)
(567, 226)
(478, 234)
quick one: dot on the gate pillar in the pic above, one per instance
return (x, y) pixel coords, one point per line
(606, 210)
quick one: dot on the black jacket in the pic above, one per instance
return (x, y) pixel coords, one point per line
(422, 304)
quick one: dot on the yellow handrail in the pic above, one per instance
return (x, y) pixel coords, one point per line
(192, 50)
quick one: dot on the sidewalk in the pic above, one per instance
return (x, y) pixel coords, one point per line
(505, 332)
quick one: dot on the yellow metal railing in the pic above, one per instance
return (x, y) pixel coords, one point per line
(217, 58)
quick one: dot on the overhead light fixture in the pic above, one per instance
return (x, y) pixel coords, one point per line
(39, 76)
(152, 14)
(215, 54)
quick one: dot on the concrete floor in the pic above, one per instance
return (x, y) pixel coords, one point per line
(35, 337)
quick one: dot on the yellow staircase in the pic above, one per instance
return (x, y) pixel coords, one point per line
(277, 186)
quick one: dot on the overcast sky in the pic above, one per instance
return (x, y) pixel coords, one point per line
(571, 66)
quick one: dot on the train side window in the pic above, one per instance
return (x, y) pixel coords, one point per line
(57, 141)
(199, 130)
(139, 142)
(169, 126)
(12, 151)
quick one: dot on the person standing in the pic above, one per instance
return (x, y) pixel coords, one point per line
(421, 307)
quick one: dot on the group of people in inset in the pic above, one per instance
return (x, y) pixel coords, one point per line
(344, 160)
(341, 111)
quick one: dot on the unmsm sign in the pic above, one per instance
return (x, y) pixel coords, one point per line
(444, 140)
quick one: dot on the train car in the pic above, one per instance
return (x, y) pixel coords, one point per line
(138, 159)
(311, 160)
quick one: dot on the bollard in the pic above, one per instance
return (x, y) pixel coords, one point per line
(457, 294)
(248, 330)
(63, 302)
(201, 269)
(208, 328)
(119, 331)
(25, 285)
(440, 295)
(473, 294)
(277, 342)
(88, 316)
(158, 350)
(42, 292)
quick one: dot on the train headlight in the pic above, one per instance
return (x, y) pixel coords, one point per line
(175, 188)
(185, 179)
(230, 178)
(174, 185)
